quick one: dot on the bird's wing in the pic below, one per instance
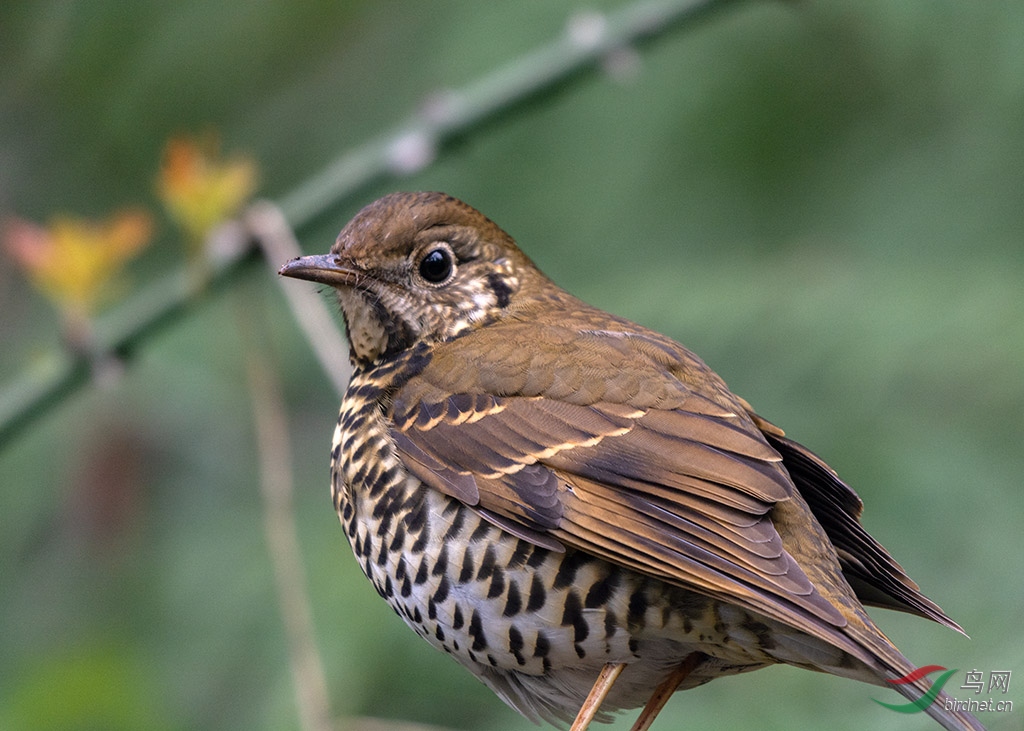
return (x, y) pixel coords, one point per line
(652, 465)
(873, 573)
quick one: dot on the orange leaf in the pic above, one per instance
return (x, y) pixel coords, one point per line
(74, 261)
(199, 189)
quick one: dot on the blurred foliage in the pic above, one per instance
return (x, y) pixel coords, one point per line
(200, 190)
(76, 263)
(823, 199)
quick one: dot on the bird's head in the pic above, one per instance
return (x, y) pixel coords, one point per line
(414, 267)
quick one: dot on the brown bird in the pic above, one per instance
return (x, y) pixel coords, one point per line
(572, 506)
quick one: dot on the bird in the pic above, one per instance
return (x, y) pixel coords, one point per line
(574, 507)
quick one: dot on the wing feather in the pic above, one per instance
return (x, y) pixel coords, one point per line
(657, 467)
(873, 573)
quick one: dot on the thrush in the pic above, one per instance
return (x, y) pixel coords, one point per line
(574, 507)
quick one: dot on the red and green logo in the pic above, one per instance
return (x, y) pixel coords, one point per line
(925, 700)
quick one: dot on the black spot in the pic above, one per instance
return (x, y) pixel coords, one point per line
(637, 608)
(441, 593)
(432, 611)
(416, 516)
(602, 590)
(389, 590)
(611, 624)
(515, 639)
(515, 644)
(456, 527)
(360, 451)
(390, 475)
(476, 631)
(416, 616)
(415, 361)
(441, 564)
(571, 563)
(502, 292)
(416, 521)
(367, 390)
(421, 572)
(406, 587)
(359, 478)
(537, 557)
(573, 614)
(381, 508)
(687, 625)
(497, 587)
(487, 564)
(439, 634)
(483, 528)
(520, 554)
(467, 566)
(346, 512)
(457, 619)
(542, 646)
(634, 645)
(399, 538)
(538, 595)
(514, 603)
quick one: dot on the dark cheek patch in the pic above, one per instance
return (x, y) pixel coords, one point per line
(502, 292)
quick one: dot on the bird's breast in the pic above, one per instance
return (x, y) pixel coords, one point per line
(507, 609)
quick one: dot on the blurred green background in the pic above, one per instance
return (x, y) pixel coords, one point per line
(823, 199)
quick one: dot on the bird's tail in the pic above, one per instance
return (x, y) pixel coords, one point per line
(921, 686)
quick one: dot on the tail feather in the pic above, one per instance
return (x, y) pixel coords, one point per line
(927, 693)
(921, 686)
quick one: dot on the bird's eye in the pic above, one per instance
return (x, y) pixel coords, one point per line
(437, 266)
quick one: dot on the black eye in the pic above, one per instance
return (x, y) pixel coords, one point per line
(437, 266)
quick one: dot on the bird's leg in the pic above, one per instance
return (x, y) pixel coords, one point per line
(602, 685)
(664, 691)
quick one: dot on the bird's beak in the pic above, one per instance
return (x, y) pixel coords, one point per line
(323, 268)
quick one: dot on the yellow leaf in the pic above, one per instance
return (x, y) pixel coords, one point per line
(199, 189)
(74, 261)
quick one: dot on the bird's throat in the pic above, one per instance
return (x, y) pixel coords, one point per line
(367, 335)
